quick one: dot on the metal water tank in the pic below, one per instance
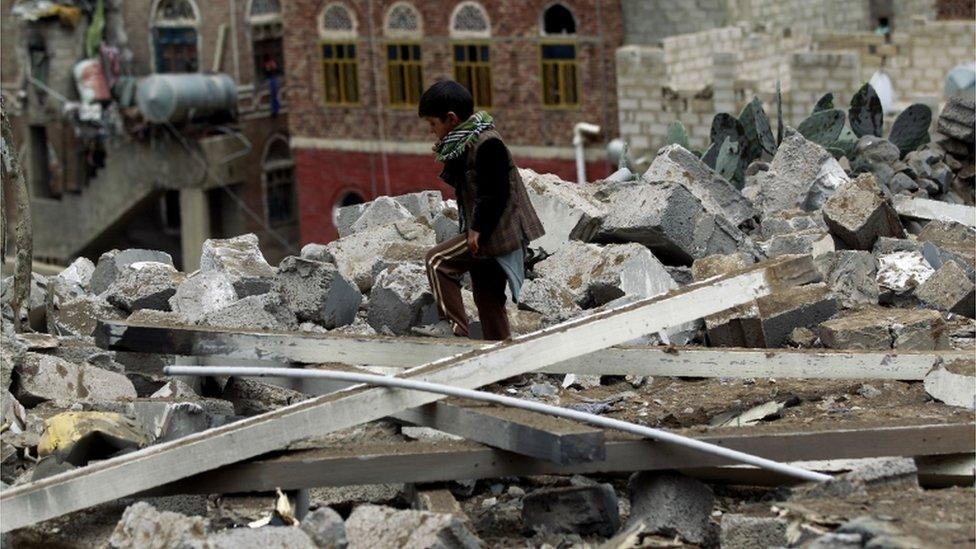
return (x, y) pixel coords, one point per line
(177, 97)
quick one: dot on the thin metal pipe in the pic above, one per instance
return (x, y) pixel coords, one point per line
(438, 388)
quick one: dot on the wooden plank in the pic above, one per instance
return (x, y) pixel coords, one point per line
(923, 208)
(286, 347)
(144, 469)
(429, 462)
(520, 431)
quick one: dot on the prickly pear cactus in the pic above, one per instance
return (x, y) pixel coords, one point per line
(911, 128)
(845, 143)
(763, 131)
(677, 135)
(779, 114)
(825, 103)
(823, 127)
(725, 125)
(728, 159)
(865, 114)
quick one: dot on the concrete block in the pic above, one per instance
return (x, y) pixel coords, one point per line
(267, 537)
(949, 289)
(549, 298)
(790, 221)
(317, 292)
(813, 242)
(875, 155)
(202, 293)
(801, 175)
(596, 275)
(952, 237)
(851, 276)
(675, 164)
(426, 204)
(44, 377)
(400, 299)
(900, 273)
(79, 272)
(958, 119)
(144, 285)
(144, 527)
(326, 528)
(669, 220)
(719, 264)
(240, 260)
(346, 216)
(888, 471)
(745, 531)
(770, 320)
(382, 211)
(80, 316)
(562, 206)
(671, 504)
(446, 224)
(110, 264)
(882, 329)
(953, 385)
(858, 214)
(356, 254)
(575, 509)
(316, 252)
(378, 526)
(260, 312)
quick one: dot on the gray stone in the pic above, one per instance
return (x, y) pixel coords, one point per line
(875, 155)
(110, 264)
(673, 163)
(251, 397)
(372, 526)
(927, 164)
(882, 329)
(45, 377)
(256, 312)
(852, 276)
(203, 293)
(954, 240)
(836, 541)
(888, 471)
(901, 183)
(144, 527)
(562, 206)
(900, 273)
(317, 252)
(802, 175)
(549, 298)
(80, 316)
(576, 509)
(166, 421)
(669, 220)
(858, 214)
(788, 222)
(446, 224)
(356, 254)
(144, 285)
(958, 119)
(346, 216)
(426, 204)
(266, 537)
(401, 299)
(813, 242)
(241, 261)
(79, 272)
(868, 391)
(317, 292)
(326, 528)
(769, 320)
(949, 289)
(595, 275)
(382, 211)
(671, 504)
(952, 388)
(719, 265)
(745, 531)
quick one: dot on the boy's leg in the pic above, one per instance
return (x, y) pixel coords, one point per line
(488, 283)
(446, 262)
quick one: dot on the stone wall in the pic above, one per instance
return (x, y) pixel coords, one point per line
(649, 22)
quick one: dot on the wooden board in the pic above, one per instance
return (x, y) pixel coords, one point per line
(429, 462)
(160, 464)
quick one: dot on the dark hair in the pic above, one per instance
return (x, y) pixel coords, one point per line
(444, 97)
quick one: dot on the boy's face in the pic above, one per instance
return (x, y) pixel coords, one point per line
(441, 128)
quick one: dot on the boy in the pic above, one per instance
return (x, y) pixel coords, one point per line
(497, 220)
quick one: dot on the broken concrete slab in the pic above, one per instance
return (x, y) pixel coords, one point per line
(815, 242)
(900, 273)
(887, 471)
(746, 531)
(790, 221)
(260, 312)
(953, 237)
(382, 211)
(676, 164)
(549, 298)
(446, 224)
(576, 509)
(110, 264)
(858, 214)
(79, 272)
(801, 175)
(949, 289)
(955, 386)
(326, 528)
(317, 292)
(875, 155)
(45, 377)
(80, 316)
(426, 204)
(266, 537)
(671, 504)
(316, 252)
(562, 206)
(203, 292)
(669, 220)
(241, 261)
(401, 299)
(719, 264)
(958, 119)
(596, 275)
(878, 328)
(144, 285)
(378, 526)
(356, 254)
(144, 527)
(852, 276)
(770, 320)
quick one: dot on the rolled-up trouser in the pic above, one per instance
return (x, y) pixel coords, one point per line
(446, 262)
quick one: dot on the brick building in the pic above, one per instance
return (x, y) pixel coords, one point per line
(356, 69)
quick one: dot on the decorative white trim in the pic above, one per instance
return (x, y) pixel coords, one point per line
(455, 33)
(278, 163)
(399, 33)
(262, 19)
(593, 154)
(333, 34)
(542, 19)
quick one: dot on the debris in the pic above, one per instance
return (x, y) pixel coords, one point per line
(769, 321)
(954, 389)
(144, 527)
(851, 275)
(144, 285)
(203, 293)
(270, 537)
(958, 120)
(894, 471)
(382, 211)
(751, 416)
(564, 207)
(877, 328)
(858, 214)
(80, 316)
(401, 299)
(80, 272)
(746, 531)
(671, 504)
(317, 252)
(548, 297)
(949, 289)
(45, 377)
(718, 264)
(356, 254)
(575, 509)
(325, 528)
(377, 526)
(317, 292)
(111, 263)
(262, 312)
(80, 437)
(900, 273)
(802, 175)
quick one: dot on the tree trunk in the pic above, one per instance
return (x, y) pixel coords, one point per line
(15, 188)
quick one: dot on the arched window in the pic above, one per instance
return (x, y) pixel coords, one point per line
(340, 68)
(267, 32)
(404, 66)
(560, 65)
(278, 171)
(471, 28)
(174, 34)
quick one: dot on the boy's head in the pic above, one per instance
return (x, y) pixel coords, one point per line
(445, 105)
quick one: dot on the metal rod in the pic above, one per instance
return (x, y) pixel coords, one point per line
(438, 388)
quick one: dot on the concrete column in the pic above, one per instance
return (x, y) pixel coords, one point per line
(194, 226)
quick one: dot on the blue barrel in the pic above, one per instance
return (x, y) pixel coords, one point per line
(178, 97)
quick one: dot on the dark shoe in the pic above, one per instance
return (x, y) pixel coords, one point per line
(443, 328)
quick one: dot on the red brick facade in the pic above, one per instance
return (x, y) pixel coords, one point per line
(326, 170)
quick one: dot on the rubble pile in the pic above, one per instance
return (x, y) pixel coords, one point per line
(888, 281)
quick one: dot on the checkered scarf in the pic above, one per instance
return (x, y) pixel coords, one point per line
(454, 144)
